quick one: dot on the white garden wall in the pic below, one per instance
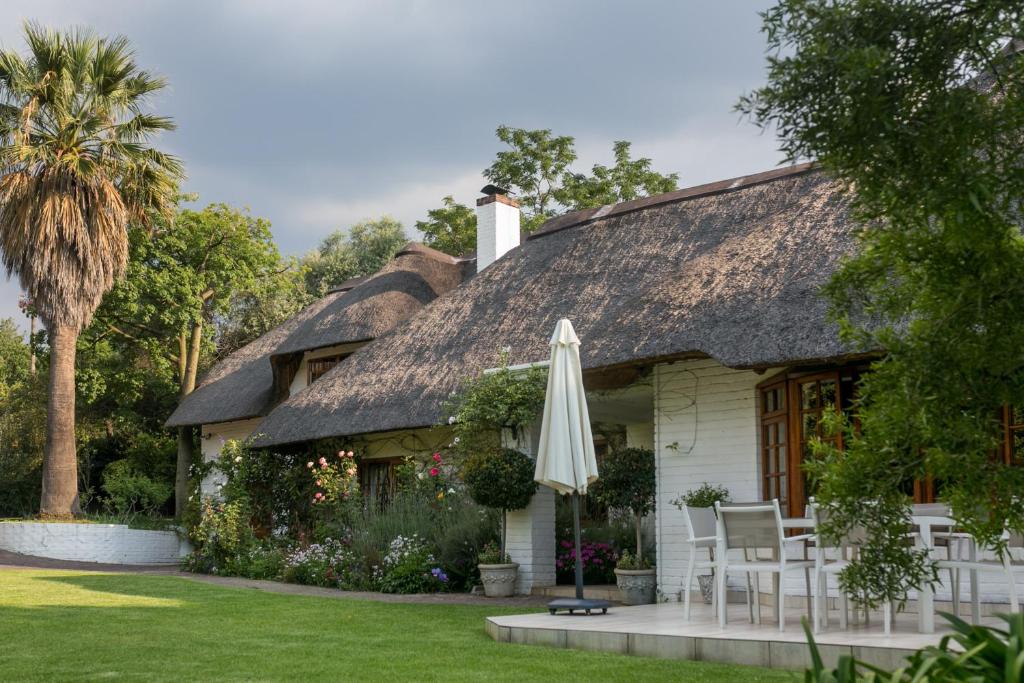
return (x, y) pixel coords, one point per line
(104, 543)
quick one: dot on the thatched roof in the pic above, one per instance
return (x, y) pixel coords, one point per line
(730, 271)
(415, 277)
(242, 385)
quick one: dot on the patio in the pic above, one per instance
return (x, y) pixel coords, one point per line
(661, 631)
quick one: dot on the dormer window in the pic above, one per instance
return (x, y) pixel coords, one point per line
(318, 367)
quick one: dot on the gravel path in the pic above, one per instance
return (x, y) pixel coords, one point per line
(13, 562)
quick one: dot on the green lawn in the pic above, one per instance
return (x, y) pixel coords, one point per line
(60, 625)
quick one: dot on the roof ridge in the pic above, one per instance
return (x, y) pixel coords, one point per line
(583, 216)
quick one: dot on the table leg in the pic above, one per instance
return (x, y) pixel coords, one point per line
(925, 596)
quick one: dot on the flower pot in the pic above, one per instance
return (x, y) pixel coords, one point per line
(707, 587)
(499, 580)
(637, 586)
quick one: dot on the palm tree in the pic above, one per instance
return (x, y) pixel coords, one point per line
(75, 169)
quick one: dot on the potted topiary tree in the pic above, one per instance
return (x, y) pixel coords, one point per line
(501, 480)
(628, 483)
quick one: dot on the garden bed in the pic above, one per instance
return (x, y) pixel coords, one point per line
(102, 543)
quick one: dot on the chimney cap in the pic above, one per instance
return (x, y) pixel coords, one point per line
(490, 189)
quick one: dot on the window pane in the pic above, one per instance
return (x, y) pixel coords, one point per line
(828, 392)
(782, 432)
(809, 395)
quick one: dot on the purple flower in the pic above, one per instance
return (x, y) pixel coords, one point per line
(439, 574)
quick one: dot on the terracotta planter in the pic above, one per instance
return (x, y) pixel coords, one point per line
(499, 580)
(637, 586)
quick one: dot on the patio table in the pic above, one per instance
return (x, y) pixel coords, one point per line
(925, 593)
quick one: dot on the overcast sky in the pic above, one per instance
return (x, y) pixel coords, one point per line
(319, 114)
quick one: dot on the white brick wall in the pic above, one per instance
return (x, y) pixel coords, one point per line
(106, 543)
(704, 431)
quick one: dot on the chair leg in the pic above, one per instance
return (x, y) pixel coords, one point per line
(755, 596)
(975, 593)
(844, 611)
(807, 587)
(1011, 582)
(689, 583)
(720, 592)
(887, 617)
(821, 601)
(780, 603)
(954, 577)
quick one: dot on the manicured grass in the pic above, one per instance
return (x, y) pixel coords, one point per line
(60, 625)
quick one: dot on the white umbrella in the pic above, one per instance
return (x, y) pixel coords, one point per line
(565, 456)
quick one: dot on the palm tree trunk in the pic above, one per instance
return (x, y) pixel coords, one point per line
(60, 466)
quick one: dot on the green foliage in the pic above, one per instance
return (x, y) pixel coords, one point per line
(363, 250)
(917, 109)
(536, 170)
(532, 169)
(970, 653)
(409, 567)
(451, 228)
(502, 480)
(222, 537)
(129, 492)
(491, 554)
(704, 496)
(628, 179)
(631, 562)
(14, 358)
(628, 482)
(22, 425)
(494, 401)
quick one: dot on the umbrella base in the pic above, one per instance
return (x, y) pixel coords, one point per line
(573, 605)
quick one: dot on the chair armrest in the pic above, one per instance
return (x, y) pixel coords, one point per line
(801, 537)
(702, 538)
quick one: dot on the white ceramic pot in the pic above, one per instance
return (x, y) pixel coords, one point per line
(499, 580)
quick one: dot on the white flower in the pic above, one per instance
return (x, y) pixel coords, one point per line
(238, 458)
(455, 441)
(451, 420)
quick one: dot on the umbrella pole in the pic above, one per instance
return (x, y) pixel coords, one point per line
(579, 554)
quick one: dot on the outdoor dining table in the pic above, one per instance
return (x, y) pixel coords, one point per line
(925, 593)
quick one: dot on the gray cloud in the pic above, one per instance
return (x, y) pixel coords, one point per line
(319, 114)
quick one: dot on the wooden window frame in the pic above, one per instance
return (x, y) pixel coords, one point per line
(333, 360)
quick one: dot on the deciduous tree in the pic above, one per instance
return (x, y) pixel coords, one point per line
(917, 108)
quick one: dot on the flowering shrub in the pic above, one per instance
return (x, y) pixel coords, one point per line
(331, 563)
(222, 537)
(598, 561)
(409, 567)
(333, 481)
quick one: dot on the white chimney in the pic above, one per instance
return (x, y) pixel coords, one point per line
(497, 226)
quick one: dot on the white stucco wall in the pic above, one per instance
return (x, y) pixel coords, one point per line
(212, 440)
(640, 435)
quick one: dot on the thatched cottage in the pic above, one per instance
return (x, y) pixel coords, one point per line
(236, 394)
(704, 337)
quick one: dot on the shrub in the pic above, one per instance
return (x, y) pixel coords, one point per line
(331, 563)
(410, 567)
(980, 653)
(130, 492)
(704, 496)
(628, 482)
(598, 561)
(502, 480)
(221, 537)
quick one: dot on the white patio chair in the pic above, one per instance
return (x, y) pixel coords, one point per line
(702, 530)
(844, 550)
(1003, 563)
(753, 527)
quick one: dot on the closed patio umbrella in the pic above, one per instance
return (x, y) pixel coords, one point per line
(565, 456)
